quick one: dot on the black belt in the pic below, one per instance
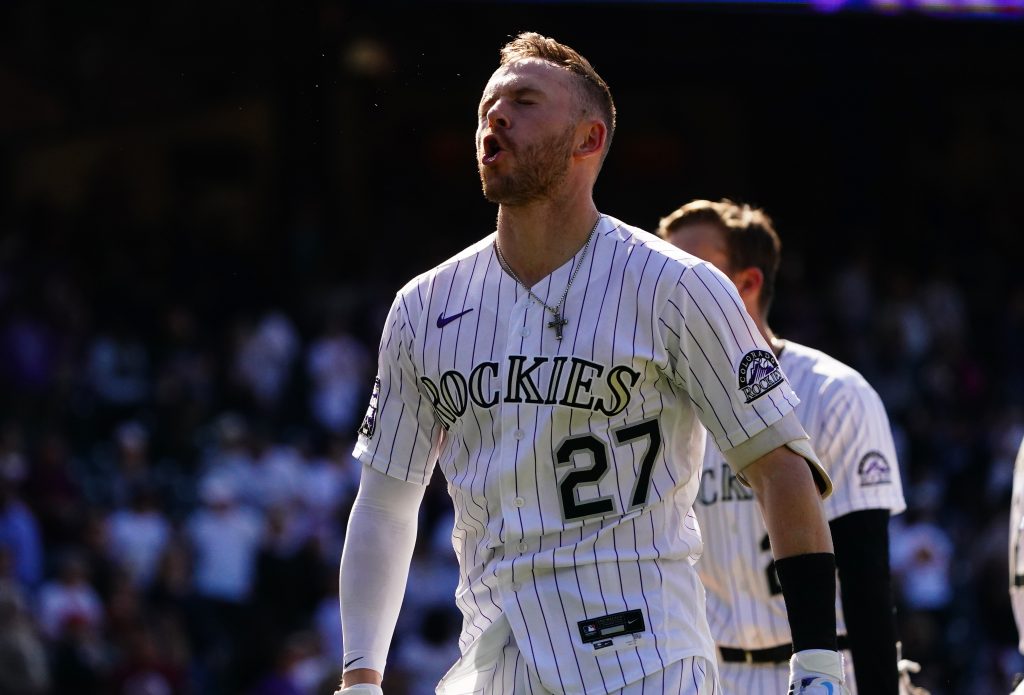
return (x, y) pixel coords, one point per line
(771, 655)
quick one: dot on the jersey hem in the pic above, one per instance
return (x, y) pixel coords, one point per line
(890, 506)
(620, 683)
(380, 464)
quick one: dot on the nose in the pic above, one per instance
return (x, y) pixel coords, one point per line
(497, 116)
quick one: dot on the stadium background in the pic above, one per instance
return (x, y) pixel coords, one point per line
(205, 209)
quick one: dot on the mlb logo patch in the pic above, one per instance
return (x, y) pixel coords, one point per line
(369, 425)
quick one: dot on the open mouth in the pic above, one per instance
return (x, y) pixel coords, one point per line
(492, 149)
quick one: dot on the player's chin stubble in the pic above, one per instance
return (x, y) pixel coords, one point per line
(542, 166)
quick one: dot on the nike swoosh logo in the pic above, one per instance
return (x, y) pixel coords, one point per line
(443, 320)
(349, 663)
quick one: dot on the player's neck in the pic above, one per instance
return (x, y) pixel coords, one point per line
(774, 342)
(753, 308)
(538, 238)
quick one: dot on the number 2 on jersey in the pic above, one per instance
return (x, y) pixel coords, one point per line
(774, 585)
(568, 487)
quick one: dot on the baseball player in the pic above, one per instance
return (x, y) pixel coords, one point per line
(1017, 554)
(559, 371)
(850, 431)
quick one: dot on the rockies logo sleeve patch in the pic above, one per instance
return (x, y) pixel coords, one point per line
(759, 373)
(873, 469)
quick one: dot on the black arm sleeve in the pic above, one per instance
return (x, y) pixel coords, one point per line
(809, 590)
(861, 541)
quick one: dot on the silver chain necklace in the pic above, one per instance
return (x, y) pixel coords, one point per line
(557, 322)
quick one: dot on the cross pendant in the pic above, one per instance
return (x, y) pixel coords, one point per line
(557, 322)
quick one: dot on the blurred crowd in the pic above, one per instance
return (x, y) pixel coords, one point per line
(174, 493)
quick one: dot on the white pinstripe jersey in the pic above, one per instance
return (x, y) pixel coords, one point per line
(1016, 560)
(850, 432)
(573, 464)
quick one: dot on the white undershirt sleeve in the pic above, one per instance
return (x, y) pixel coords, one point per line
(375, 565)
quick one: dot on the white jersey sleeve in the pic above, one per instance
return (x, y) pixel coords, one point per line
(1017, 546)
(850, 430)
(400, 435)
(731, 376)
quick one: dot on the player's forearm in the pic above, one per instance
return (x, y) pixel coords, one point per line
(862, 556)
(374, 569)
(802, 546)
(790, 503)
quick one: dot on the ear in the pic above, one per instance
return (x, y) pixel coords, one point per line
(749, 282)
(590, 139)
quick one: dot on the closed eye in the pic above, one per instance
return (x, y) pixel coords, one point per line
(527, 95)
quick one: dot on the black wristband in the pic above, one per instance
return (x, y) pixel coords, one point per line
(809, 589)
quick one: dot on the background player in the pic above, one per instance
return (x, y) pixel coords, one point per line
(556, 371)
(849, 430)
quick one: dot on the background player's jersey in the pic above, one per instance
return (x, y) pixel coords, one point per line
(1017, 546)
(573, 464)
(850, 432)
